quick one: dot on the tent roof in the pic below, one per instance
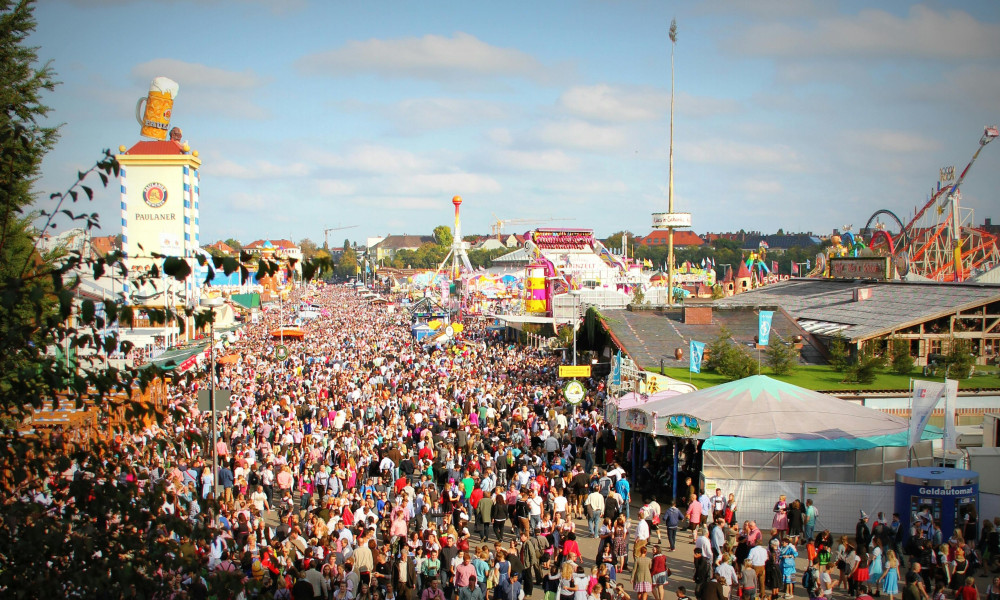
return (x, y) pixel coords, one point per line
(762, 408)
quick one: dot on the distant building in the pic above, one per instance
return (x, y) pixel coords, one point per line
(750, 240)
(989, 227)
(105, 244)
(682, 239)
(388, 247)
(489, 244)
(281, 249)
(222, 248)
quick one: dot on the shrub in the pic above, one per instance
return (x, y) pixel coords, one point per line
(900, 360)
(781, 357)
(840, 355)
(864, 369)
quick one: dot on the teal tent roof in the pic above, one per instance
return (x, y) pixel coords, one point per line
(760, 413)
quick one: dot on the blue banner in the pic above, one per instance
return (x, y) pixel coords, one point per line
(616, 370)
(697, 351)
(764, 327)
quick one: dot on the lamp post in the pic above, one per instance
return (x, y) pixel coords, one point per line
(212, 304)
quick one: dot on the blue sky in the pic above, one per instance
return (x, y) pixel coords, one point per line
(308, 114)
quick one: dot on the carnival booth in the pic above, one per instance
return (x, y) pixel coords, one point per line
(763, 437)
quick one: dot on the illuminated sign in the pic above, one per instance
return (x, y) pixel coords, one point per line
(868, 267)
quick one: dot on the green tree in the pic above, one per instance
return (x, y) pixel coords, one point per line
(234, 244)
(840, 354)
(728, 359)
(308, 248)
(900, 360)
(959, 359)
(443, 236)
(865, 366)
(347, 266)
(781, 357)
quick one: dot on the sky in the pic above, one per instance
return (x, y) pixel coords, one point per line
(308, 114)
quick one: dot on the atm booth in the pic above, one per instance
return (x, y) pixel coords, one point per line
(949, 496)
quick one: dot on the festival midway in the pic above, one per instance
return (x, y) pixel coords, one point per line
(457, 394)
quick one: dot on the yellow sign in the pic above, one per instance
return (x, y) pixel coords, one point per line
(574, 371)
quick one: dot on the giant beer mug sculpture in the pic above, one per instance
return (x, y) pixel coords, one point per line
(155, 119)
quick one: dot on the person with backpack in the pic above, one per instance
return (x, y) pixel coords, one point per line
(810, 581)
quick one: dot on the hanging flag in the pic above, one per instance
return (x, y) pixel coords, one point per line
(764, 326)
(950, 401)
(808, 264)
(696, 351)
(616, 372)
(795, 268)
(703, 263)
(774, 266)
(926, 396)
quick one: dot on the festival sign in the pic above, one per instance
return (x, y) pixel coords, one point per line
(635, 419)
(685, 426)
(663, 220)
(866, 267)
(574, 392)
(566, 371)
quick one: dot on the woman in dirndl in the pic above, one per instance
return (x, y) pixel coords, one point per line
(780, 521)
(642, 578)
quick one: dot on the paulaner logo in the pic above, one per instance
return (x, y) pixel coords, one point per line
(155, 195)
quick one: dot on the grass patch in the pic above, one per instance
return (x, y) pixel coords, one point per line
(824, 377)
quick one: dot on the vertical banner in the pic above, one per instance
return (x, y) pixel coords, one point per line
(950, 404)
(764, 326)
(696, 351)
(926, 395)
(616, 370)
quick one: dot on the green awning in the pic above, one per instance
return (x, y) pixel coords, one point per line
(246, 300)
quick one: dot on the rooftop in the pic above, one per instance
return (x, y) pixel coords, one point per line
(827, 306)
(651, 335)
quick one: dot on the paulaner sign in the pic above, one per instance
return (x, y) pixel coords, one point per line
(868, 267)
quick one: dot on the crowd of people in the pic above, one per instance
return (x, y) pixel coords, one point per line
(356, 463)
(364, 465)
(730, 558)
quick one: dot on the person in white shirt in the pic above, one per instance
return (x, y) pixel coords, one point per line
(259, 499)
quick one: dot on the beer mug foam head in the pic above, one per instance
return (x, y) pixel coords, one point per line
(165, 85)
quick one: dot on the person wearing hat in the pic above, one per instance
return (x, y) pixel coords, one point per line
(862, 533)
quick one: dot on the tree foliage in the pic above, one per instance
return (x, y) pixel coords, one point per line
(728, 359)
(900, 360)
(840, 354)
(959, 359)
(865, 366)
(782, 358)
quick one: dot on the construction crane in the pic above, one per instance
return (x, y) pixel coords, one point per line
(498, 224)
(326, 234)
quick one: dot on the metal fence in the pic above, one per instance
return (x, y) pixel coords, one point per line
(838, 503)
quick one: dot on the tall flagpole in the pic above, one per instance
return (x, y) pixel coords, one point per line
(670, 176)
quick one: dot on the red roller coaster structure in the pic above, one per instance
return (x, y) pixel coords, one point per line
(939, 244)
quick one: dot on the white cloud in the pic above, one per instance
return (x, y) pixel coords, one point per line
(871, 34)
(589, 187)
(761, 186)
(537, 160)
(335, 187)
(499, 136)
(431, 57)
(728, 152)
(443, 184)
(259, 169)
(206, 90)
(580, 134)
(374, 159)
(892, 141)
(428, 114)
(196, 75)
(604, 102)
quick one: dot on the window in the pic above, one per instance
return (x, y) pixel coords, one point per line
(935, 347)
